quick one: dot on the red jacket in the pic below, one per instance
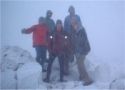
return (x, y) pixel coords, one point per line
(59, 43)
(40, 32)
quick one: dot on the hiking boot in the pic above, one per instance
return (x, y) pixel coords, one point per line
(62, 80)
(46, 80)
(87, 83)
(66, 73)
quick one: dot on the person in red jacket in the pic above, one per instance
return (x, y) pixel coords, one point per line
(40, 33)
(58, 46)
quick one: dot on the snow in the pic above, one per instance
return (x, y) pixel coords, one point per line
(104, 24)
(102, 72)
(18, 68)
(13, 57)
(99, 70)
(118, 84)
(8, 80)
(28, 75)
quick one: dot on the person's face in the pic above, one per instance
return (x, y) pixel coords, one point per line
(71, 11)
(59, 27)
(41, 21)
(49, 15)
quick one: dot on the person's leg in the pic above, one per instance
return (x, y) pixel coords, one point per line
(71, 58)
(61, 63)
(51, 59)
(66, 65)
(43, 56)
(68, 59)
(38, 55)
(82, 70)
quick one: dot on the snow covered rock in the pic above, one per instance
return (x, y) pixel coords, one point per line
(98, 70)
(118, 84)
(18, 69)
(8, 80)
(14, 56)
(28, 76)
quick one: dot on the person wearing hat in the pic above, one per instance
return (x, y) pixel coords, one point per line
(67, 21)
(59, 45)
(67, 24)
(40, 33)
(49, 21)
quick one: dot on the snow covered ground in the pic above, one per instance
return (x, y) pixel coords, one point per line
(19, 70)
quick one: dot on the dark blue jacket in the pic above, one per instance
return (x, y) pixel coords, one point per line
(80, 41)
(67, 23)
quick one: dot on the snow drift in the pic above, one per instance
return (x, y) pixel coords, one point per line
(18, 69)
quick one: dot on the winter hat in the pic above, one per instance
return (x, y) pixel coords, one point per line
(49, 12)
(58, 22)
(71, 8)
(41, 19)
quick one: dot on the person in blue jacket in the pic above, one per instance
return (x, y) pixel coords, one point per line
(67, 21)
(67, 24)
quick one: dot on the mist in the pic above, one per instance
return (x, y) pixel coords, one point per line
(104, 22)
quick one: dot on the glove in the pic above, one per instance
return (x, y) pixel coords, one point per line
(23, 30)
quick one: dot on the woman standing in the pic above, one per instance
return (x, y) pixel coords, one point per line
(58, 46)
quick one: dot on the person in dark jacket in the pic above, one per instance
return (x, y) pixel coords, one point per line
(58, 46)
(40, 34)
(81, 49)
(67, 23)
(49, 21)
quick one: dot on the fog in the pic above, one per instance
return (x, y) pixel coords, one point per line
(104, 22)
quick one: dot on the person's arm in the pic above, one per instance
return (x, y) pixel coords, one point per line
(47, 34)
(79, 19)
(66, 24)
(50, 42)
(85, 43)
(28, 31)
(54, 25)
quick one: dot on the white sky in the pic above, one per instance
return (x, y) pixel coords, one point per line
(104, 22)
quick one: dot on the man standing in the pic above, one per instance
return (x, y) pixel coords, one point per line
(68, 27)
(40, 33)
(50, 22)
(81, 49)
(67, 22)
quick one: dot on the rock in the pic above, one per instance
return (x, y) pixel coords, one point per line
(19, 69)
(118, 84)
(98, 70)
(8, 80)
(28, 76)
(14, 56)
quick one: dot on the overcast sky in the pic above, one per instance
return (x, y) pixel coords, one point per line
(104, 22)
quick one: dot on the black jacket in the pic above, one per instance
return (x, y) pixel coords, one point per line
(80, 41)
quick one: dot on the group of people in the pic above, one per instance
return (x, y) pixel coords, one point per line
(64, 42)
